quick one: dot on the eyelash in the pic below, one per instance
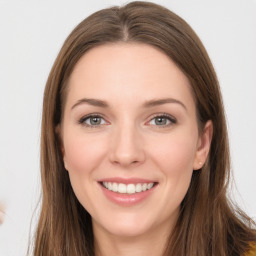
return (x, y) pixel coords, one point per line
(170, 118)
(83, 120)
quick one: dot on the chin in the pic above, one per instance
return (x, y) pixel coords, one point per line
(125, 226)
(128, 230)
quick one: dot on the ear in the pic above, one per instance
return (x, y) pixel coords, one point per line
(60, 142)
(203, 146)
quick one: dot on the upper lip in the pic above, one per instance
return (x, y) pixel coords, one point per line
(127, 180)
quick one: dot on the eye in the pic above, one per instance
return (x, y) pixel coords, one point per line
(162, 120)
(92, 120)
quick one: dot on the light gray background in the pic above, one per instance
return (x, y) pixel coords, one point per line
(31, 34)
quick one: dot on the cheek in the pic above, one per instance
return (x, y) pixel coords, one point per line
(83, 153)
(175, 160)
(175, 154)
(175, 157)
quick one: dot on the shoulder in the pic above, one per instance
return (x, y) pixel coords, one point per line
(252, 251)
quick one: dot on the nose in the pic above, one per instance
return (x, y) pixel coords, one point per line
(126, 147)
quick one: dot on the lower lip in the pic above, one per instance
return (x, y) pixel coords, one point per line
(127, 199)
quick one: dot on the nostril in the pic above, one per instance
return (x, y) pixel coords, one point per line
(126, 150)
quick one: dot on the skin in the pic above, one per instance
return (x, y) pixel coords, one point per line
(128, 142)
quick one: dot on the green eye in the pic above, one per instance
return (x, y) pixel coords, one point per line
(92, 120)
(162, 120)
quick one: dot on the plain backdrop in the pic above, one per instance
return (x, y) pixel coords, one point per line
(31, 34)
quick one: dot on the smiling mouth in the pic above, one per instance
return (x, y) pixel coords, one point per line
(128, 188)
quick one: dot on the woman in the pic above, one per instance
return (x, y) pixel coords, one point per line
(134, 148)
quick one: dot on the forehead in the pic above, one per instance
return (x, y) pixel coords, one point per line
(128, 70)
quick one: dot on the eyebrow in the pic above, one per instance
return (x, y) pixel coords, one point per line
(147, 104)
(157, 102)
(93, 102)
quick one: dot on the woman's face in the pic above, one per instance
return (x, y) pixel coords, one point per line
(130, 138)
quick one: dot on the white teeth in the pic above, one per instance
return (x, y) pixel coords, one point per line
(144, 187)
(129, 188)
(109, 186)
(121, 188)
(115, 187)
(138, 188)
(150, 185)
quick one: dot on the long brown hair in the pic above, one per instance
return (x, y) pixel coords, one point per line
(208, 223)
